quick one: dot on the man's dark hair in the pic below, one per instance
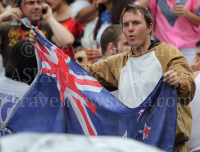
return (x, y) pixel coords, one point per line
(110, 35)
(17, 3)
(21, 64)
(135, 9)
(198, 44)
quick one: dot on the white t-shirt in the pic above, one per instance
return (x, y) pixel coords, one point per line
(10, 92)
(194, 142)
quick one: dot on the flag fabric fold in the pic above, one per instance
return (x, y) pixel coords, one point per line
(64, 98)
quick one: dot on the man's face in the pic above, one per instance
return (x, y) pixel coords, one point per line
(198, 54)
(123, 45)
(32, 9)
(135, 29)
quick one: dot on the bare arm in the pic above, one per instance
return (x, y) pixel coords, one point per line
(180, 10)
(11, 13)
(62, 35)
(193, 18)
(1, 8)
(144, 3)
(87, 14)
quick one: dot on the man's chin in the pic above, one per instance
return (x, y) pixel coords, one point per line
(34, 19)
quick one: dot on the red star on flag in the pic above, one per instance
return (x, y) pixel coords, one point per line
(146, 131)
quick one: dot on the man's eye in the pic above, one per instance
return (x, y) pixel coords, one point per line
(125, 24)
(136, 23)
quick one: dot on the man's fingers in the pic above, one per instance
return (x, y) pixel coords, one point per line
(32, 33)
(171, 80)
(32, 40)
(168, 73)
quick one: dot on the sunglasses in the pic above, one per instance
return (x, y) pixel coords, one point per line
(80, 59)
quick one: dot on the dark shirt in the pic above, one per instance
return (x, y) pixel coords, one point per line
(9, 38)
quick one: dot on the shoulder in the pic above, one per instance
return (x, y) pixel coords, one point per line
(167, 50)
(118, 60)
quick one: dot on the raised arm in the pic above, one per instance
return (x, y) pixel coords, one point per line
(144, 3)
(180, 10)
(62, 35)
(11, 13)
(83, 11)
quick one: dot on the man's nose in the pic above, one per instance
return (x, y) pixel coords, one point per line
(130, 28)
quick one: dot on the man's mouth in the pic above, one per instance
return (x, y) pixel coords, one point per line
(131, 37)
(35, 13)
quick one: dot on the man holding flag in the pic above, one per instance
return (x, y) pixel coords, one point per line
(137, 72)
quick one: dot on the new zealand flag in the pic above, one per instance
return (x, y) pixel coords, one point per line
(64, 98)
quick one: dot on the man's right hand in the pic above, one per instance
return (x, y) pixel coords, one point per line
(11, 13)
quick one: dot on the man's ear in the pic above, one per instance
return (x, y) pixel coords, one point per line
(150, 28)
(111, 49)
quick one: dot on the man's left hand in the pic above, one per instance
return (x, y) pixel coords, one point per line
(48, 11)
(171, 78)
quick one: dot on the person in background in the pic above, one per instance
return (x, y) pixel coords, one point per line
(109, 13)
(196, 62)
(20, 72)
(80, 55)
(85, 11)
(62, 13)
(177, 22)
(113, 41)
(10, 33)
(194, 142)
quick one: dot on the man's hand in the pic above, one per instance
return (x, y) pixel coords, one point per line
(11, 13)
(180, 10)
(32, 35)
(171, 78)
(48, 13)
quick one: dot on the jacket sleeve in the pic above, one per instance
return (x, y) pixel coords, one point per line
(104, 73)
(172, 59)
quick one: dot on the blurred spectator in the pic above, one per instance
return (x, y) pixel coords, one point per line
(80, 55)
(62, 14)
(196, 62)
(113, 41)
(85, 11)
(194, 142)
(32, 9)
(178, 25)
(109, 13)
(20, 71)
